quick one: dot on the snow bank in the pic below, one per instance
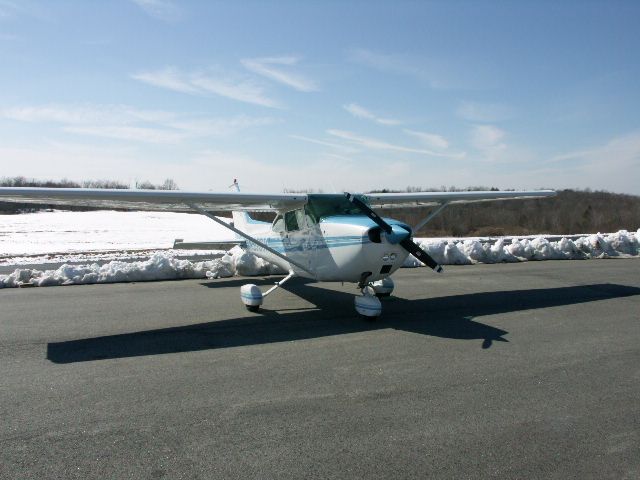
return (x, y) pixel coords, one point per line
(164, 265)
(469, 251)
(92, 257)
(161, 266)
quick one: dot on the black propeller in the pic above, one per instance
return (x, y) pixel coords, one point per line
(408, 244)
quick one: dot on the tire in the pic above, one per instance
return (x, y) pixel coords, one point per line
(253, 308)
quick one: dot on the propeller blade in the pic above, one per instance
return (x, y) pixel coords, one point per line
(406, 243)
(364, 208)
(420, 254)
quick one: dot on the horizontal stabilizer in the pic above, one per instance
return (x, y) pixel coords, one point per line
(214, 245)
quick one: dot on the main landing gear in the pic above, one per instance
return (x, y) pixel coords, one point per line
(367, 304)
(252, 297)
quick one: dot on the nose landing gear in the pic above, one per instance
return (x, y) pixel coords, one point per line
(383, 288)
(367, 304)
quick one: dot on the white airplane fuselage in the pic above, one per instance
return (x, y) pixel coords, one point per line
(339, 248)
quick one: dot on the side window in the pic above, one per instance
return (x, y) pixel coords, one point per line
(291, 221)
(311, 219)
(302, 223)
(278, 224)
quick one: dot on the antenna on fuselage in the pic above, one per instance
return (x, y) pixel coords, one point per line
(235, 184)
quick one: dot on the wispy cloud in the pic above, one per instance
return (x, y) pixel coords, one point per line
(339, 157)
(133, 133)
(275, 68)
(55, 160)
(613, 165)
(483, 112)
(161, 9)
(344, 148)
(488, 139)
(431, 140)
(485, 137)
(361, 112)
(10, 9)
(376, 144)
(492, 144)
(170, 78)
(127, 123)
(329, 173)
(395, 63)
(438, 73)
(617, 155)
(243, 90)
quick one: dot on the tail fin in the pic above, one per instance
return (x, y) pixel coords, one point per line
(241, 220)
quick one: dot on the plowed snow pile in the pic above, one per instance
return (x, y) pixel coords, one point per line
(468, 251)
(164, 265)
(161, 266)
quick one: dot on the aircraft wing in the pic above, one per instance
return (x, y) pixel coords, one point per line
(383, 200)
(181, 201)
(154, 200)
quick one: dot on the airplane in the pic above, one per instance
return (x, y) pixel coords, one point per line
(321, 237)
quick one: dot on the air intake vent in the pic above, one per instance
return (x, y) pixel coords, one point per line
(375, 234)
(385, 269)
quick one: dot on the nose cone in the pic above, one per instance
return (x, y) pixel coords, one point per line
(397, 234)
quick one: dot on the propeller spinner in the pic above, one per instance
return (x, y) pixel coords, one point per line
(394, 235)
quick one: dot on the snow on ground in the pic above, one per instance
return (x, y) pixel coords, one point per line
(58, 231)
(29, 239)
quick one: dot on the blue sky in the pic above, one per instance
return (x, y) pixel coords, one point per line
(326, 95)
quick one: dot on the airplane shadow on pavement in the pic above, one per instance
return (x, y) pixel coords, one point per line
(447, 317)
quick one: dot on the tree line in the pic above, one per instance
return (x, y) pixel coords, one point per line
(168, 184)
(12, 208)
(569, 212)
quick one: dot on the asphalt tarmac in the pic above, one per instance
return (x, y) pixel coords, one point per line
(489, 371)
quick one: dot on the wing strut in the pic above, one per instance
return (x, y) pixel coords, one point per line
(430, 217)
(202, 211)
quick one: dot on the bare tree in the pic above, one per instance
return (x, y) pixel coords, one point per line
(169, 184)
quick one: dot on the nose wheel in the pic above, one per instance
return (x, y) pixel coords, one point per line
(368, 305)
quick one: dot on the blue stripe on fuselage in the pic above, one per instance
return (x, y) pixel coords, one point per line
(326, 242)
(359, 220)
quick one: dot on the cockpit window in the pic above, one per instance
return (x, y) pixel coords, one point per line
(291, 221)
(278, 224)
(326, 205)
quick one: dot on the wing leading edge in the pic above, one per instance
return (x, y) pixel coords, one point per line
(153, 200)
(383, 200)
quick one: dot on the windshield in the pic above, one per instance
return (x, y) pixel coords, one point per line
(326, 205)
